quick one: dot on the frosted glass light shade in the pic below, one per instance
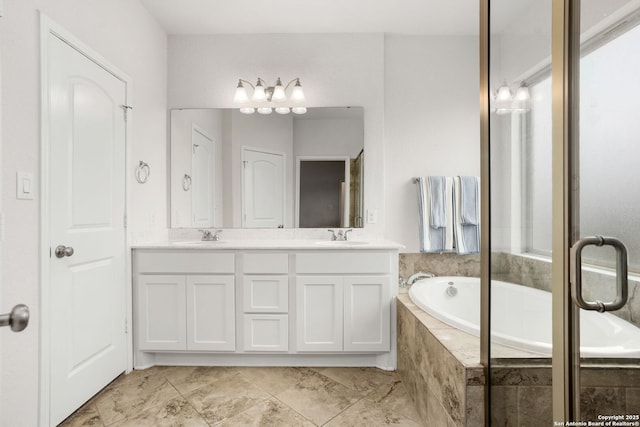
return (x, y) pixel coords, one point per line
(247, 110)
(503, 100)
(282, 110)
(299, 110)
(258, 92)
(264, 110)
(297, 94)
(522, 100)
(278, 92)
(241, 94)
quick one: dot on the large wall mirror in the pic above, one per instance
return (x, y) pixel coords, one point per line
(267, 171)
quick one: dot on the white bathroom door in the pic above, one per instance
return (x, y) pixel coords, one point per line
(87, 138)
(263, 189)
(202, 174)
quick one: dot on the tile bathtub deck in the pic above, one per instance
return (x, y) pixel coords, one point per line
(229, 396)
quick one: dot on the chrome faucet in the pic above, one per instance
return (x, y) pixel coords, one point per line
(419, 275)
(208, 236)
(341, 235)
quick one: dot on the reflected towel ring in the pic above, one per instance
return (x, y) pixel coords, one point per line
(186, 182)
(143, 171)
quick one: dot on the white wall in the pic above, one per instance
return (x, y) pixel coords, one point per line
(432, 123)
(123, 33)
(335, 70)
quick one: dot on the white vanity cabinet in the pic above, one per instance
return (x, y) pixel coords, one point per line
(184, 301)
(348, 312)
(262, 304)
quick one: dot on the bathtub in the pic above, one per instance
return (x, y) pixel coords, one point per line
(521, 317)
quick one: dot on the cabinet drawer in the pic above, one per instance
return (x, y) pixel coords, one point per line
(342, 262)
(184, 262)
(266, 294)
(266, 263)
(266, 332)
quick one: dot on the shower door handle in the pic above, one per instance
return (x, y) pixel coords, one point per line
(622, 286)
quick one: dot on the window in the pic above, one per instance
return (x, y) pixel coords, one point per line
(609, 153)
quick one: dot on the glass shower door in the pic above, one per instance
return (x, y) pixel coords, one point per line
(605, 201)
(563, 149)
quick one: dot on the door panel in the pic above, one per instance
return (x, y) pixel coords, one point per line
(561, 169)
(606, 203)
(203, 173)
(263, 189)
(87, 205)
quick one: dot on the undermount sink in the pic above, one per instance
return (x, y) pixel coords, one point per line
(342, 243)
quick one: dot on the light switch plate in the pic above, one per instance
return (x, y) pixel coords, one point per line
(372, 216)
(24, 186)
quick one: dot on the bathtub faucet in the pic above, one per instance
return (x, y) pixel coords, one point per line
(419, 275)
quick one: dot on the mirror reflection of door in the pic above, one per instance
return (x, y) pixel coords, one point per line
(263, 195)
(203, 173)
(323, 188)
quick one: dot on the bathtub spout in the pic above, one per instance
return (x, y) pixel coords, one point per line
(419, 275)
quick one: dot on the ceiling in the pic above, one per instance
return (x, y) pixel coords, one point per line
(446, 17)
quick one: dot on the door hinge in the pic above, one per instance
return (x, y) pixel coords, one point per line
(126, 326)
(126, 109)
(125, 220)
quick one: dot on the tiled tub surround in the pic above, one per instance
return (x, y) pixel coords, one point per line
(440, 368)
(439, 364)
(446, 264)
(536, 273)
(521, 391)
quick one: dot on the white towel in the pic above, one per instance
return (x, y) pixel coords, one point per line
(435, 238)
(466, 235)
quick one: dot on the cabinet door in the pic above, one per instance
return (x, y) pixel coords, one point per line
(211, 313)
(367, 313)
(319, 313)
(161, 312)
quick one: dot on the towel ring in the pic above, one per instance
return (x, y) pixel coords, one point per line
(143, 171)
(186, 182)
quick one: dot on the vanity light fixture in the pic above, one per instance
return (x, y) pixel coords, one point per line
(504, 102)
(522, 99)
(266, 99)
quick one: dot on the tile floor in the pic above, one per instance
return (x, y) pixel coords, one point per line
(229, 396)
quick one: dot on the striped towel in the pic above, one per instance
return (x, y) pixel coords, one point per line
(435, 204)
(466, 212)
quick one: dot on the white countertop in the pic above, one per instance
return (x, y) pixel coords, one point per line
(272, 244)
